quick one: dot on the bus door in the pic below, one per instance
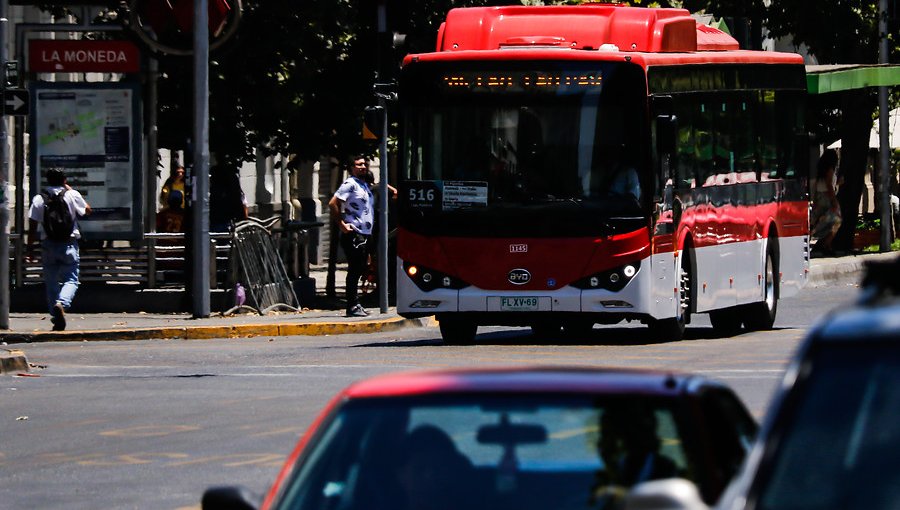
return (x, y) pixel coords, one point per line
(667, 205)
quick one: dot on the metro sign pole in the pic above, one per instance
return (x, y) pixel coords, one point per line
(4, 176)
(200, 171)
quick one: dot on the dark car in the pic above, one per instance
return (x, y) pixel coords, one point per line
(831, 438)
(523, 438)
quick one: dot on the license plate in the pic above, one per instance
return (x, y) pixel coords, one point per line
(519, 304)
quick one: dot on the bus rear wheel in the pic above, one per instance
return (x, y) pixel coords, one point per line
(456, 331)
(761, 316)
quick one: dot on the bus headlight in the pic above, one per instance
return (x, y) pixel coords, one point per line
(428, 279)
(612, 279)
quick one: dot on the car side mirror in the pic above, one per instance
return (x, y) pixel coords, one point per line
(671, 494)
(229, 498)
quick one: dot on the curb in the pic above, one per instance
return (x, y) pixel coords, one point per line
(12, 360)
(226, 331)
(827, 271)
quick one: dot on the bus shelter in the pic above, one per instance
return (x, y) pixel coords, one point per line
(827, 79)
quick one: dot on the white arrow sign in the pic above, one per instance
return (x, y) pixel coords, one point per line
(14, 102)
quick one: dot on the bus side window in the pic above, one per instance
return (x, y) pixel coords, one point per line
(744, 142)
(703, 143)
(723, 124)
(685, 169)
(767, 142)
(789, 108)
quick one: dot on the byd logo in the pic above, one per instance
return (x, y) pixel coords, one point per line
(519, 276)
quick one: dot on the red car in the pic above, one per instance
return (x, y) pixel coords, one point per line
(523, 438)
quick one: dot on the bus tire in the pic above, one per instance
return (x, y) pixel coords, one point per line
(726, 322)
(672, 329)
(761, 316)
(457, 331)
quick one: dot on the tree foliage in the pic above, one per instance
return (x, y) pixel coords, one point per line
(297, 76)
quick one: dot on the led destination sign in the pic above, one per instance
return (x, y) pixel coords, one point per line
(521, 81)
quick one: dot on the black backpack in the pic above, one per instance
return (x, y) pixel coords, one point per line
(58, 221)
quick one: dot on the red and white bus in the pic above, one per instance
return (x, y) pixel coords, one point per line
(565, 166)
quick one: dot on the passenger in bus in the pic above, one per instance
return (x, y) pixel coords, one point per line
(826, 211)
(624, 180)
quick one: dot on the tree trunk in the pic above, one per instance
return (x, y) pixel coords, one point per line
(857, 110)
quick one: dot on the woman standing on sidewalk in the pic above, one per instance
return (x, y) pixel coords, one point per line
(826, 212)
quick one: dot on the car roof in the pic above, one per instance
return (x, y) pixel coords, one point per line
(876, 314)
(577, 380)
(880, 321)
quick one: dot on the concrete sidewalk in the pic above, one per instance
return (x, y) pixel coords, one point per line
(35, 327)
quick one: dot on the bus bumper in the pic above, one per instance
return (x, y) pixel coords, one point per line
(634, 301)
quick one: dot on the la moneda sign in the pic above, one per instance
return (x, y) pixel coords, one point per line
(81, 56)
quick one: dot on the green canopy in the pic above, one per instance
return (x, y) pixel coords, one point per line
(835, 78)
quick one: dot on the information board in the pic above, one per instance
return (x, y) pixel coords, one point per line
(91, 131)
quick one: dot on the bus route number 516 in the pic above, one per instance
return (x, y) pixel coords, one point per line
(423, 195)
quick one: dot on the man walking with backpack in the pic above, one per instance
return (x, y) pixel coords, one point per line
(56, 209)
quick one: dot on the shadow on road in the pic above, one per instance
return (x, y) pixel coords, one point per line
(599, 336)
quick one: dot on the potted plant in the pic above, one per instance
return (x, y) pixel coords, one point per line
(868, 231)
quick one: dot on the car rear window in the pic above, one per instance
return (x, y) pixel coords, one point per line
(530, 452)
(840, 438)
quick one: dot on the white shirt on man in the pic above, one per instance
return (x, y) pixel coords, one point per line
(77, 207)
(358, 202)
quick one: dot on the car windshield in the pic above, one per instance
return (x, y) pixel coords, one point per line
(484, 452)
(840, 445)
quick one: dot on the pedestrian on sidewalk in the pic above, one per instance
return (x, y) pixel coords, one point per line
(175, 182)
(352, 209)
(56, 210)
(825, 218)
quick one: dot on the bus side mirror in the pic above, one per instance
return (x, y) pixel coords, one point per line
(666, 134)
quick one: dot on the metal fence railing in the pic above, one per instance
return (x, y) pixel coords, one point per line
(260, 269)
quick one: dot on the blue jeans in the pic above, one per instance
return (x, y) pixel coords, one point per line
(60, 260)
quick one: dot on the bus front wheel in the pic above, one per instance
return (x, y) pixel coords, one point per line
(456, 331)
(672, 329)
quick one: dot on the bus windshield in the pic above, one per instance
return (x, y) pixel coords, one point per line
(554, 137)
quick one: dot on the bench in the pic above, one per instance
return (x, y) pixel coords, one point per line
(158, 259)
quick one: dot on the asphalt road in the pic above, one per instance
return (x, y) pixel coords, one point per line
(151, 424)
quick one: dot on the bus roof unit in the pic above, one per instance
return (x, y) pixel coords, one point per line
(584, 27)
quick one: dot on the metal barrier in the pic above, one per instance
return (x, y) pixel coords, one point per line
(166, 262)
(260, 268)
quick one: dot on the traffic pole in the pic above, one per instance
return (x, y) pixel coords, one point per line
(384, 192)
(4, 175)
(884, 154)
(200, 170)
